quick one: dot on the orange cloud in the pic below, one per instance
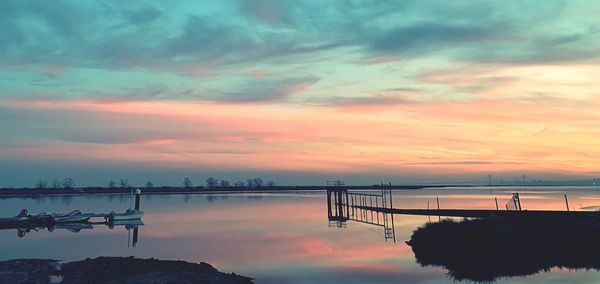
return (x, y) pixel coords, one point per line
(481, 135)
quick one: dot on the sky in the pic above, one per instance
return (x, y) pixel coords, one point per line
(298, 91)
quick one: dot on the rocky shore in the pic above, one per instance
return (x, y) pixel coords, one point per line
(113, 270)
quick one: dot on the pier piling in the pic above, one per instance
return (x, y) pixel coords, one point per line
(138, 193)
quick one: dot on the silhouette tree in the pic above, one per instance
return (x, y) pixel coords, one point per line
(254, 182)
(68, 183)
(56, 184)
(270, 183)
(187, 183)
(41, 184)
(258, 182)
(224, 183)
(124, 183)
(149, 185)
(112, 184)
(240, 184)
(211, 182)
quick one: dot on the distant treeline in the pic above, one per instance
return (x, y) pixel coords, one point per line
(212, 185)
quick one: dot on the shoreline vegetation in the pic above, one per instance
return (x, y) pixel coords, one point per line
(166, 190)
(490, 249)
(34, 192)
(114, 270)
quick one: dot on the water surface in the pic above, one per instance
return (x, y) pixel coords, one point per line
(275, 238)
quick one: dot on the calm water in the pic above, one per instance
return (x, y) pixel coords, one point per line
(275, 238)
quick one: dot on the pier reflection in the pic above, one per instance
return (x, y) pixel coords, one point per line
(481, 247)
(344, 206)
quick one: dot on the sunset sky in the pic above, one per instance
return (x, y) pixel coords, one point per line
(298, 91)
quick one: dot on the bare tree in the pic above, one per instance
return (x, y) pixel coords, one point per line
(250, 183)
(124, 183)
(224, 183)
(211, 182)
(258, 182)
(240, 184)
(68, 183)
(112, 184)
(270, 183)
(149, 185)
(56, 184)
(41, 184)
(187, 183)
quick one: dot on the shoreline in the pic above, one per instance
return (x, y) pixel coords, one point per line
(165, 190)
(114, 270)
(35, 192)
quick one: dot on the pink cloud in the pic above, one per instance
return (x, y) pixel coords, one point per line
(443, 136)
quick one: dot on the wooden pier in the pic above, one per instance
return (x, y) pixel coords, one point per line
(483, 213)
(344, 206)
(372, 208)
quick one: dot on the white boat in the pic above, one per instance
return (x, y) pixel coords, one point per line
(130, 214)
(74, 216)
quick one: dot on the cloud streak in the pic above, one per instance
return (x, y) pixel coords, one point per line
(340, 87)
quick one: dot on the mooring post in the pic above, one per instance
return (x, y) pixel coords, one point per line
(347, 204)
(496, 198)
(340, 203)
(329, 203)
(438, 205)
(135, 236)
(371, 205)
(333, 206)
(352, 198)
(567, 202)
(428, 216)
(377, 206)
(138, 193)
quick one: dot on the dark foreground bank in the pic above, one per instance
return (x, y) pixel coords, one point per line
(113, 270)
(486, 250)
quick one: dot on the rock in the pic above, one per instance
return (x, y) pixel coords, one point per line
(115, 270)
(28, 270)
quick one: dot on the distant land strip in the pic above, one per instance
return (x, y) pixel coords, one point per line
(163, 190)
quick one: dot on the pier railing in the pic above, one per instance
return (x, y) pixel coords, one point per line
(361, 207)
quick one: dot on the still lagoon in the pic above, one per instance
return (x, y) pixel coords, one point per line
(277, 237)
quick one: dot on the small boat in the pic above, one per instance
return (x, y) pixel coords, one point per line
(73, 227)
(22, 218)
(130, 214)
(74, 216)
(126, 223)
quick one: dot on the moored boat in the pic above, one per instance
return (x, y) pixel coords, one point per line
(130, 214)
(74, 216)
(23, 218)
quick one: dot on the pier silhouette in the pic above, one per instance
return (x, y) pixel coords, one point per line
(344, 206)
(485, 245)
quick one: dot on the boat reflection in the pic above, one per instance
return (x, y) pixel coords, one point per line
(129, 225)
(485, 250)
